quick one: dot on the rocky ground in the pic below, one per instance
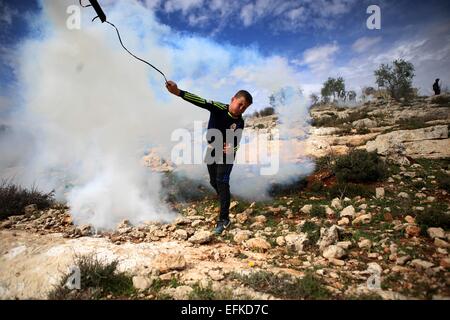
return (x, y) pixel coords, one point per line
(305, 243)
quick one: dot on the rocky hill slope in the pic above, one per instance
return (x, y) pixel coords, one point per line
(316, 239)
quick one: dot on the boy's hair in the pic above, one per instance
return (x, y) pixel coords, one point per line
(247, 96)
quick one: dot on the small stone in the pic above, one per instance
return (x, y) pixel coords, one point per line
(182, 220)
(374, 268)
(348, 212)
(373, 255)
(306, 209)
(216, 275)
(403, 195)
(196, 223)
(180, 234)
(329, 212)
(388, 217)
(365, 244)
(233, 204)
(166, 262)
(241, 217)
(421, 264)
(258, 244)
(337, 262)
(379, 192)
(261, 219)
(336, 203)
(242, 235)
(410, 220)
(436, 233)
(413, 231)
(344, 244)
(344, 221)
(178, 293)
(280, 241)
(420, 195)
(363, 219)
(333, 252)
(402, 260)
(328, 236)
(296, 241)
(441, 243)
(86, 230)
(141, 283)
(201, 237)
(445, 263)
(30, 209)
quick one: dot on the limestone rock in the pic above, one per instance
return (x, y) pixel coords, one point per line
(306, 209)
(296, 241)
(242, 235)
(168, 262)
(141, 283)
(257, 244)
(436, 233)
(421, 264)
(379, 193)
(348, 212)
(201, 237)
(363, 219)
(333, 252)
(328, 237)
(336, 203)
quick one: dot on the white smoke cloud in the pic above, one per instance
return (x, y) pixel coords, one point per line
(89, 110)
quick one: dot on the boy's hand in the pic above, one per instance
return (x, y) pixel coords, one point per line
(227, 148)
(173, 88)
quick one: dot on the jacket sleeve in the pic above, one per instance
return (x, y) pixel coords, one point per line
(212, 106)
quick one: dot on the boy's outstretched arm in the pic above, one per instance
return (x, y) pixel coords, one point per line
(194, 99)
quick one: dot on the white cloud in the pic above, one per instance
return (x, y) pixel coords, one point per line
(289, 15)
(363, 44)
(152, 4)
(320, 58)
(184, 5)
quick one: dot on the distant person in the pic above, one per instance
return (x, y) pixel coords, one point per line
(437, 87)
(223, 117)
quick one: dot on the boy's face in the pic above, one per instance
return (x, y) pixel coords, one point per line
(238, 105)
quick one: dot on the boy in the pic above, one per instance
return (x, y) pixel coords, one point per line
(223, 118)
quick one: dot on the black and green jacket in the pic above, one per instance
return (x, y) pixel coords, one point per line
(220, 118)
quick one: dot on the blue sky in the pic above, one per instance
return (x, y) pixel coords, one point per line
(318, 38)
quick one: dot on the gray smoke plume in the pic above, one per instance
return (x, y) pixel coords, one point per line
(88, 112)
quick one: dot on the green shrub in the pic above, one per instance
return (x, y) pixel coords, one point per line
(313, 231)
(442, 100)
(434, 217)
(98, 280)
(294, 187)
(351, 190)
(444, 182)
(359, 166)
(318, 211)
(317, 186)
(13, 199)
(285, 286)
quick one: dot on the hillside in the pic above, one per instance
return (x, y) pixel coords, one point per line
(342, 233)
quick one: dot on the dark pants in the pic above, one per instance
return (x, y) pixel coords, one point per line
(219, 177)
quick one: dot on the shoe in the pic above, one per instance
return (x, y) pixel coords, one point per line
(221, 226)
